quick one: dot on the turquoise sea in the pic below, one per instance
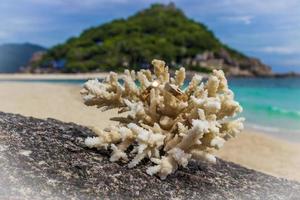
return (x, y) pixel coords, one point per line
(270, 105)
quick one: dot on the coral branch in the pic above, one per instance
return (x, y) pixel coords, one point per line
(165, 123)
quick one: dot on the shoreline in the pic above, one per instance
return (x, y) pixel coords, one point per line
(101, 75)
(292, 139)
(252, 149)
(54, 76)
(68, 76)
(67, 80)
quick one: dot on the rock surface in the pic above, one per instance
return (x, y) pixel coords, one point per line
(47, 159)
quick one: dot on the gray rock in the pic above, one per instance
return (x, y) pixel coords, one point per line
(47, 159)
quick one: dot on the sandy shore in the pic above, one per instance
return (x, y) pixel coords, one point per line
(70, 76)
(253, 150)
(77, 76)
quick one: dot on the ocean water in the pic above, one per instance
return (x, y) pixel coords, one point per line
(271, 105)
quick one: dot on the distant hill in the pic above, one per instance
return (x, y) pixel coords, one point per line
(14, 56)
(161, 31)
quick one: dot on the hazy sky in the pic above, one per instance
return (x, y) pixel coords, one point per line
(267, 29)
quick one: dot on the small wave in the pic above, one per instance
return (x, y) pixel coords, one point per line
(263, 128)
(268, 129)
(273, 110)
(284, 111)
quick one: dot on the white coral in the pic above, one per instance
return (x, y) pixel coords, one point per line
(166, 124)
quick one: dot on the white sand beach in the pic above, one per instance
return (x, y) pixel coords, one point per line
(67, 76)
(58, 76)
(254, 150)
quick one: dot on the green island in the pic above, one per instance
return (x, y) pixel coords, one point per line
(161, 31)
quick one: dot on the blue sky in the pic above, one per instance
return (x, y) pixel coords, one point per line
(267, 29)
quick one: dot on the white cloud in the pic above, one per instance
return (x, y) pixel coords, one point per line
(262, 7)
(14, 25)
(290, 62)
(283, 50)
(246, 19)
(70, 4)
(3, 34)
